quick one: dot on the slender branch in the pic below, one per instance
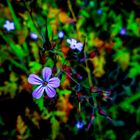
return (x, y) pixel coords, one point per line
(71, 78)
(71, 10)
(91, 85)
(87, 69)
(17, 23)
(74, 17)
(30, 14)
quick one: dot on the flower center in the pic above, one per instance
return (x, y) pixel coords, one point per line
(45, 83)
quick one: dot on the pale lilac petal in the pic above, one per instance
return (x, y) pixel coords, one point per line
(54, 82)
(12, 26)
(79, 46)
(34, 79)
(73, 46)
(9, 25)
(73, 41)
(69, 41)
(46, 73)
(37, 93)
(50, 91)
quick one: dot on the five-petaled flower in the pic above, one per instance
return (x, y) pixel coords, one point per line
(75, 45)
(48, 84)
(9, 26)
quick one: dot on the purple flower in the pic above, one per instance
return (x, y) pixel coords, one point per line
(9, 26)
(75, 45)
(123, 31)
(48, 84)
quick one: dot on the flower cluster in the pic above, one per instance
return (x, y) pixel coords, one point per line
(75, 45)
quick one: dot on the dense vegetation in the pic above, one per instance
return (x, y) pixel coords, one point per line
(92, 49)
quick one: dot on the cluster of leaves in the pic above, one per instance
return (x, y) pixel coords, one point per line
(103, 76)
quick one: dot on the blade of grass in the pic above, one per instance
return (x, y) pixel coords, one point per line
(17, 23)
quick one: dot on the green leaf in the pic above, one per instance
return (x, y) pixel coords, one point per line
(17, 50)
(118, 43)
(85, 14)
(50, 62)
(138, 116)
(119, 57)
(59, 113)
(40, 103)
(11, 88)
(55, 127)
(134, 70)
(34, 66)
(21, 66)
(64, 92)
(117, 26)
(13, 77)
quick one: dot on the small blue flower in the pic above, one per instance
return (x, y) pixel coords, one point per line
(33, 36)
(80, 124)
(99, 11)
(60, 34)
(9, 25)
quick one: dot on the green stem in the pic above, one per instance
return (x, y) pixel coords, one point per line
(19, 65)
(17, 23)
(71, 10)
(74, 17)
(88, 70)
(134, 98)
(91, 84)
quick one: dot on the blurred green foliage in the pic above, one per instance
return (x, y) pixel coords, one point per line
(114, 67)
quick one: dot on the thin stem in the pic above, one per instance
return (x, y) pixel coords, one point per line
(91, 85)
(74, 17)
(71, 78)
(33, 22)
(17, 23)
(71, 10)
(88, 70)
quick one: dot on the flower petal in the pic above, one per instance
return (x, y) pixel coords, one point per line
(73, 41)
(50, 91)
(79, 46)
(46, 73)
(34, 79)
(54, 82)
(72, 47)
(37, 93)
(69, 41)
